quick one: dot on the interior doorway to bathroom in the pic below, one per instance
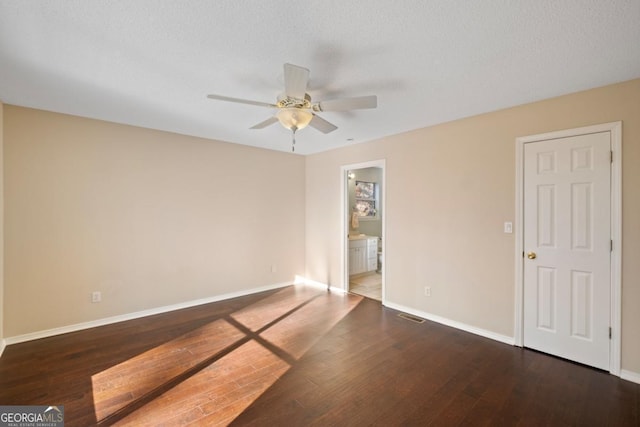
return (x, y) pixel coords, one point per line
(363, 212)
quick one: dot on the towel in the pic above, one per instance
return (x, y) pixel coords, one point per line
(355, 222)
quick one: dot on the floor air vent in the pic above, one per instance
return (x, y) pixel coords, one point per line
(410, 317)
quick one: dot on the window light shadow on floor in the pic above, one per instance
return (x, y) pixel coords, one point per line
(214, 372)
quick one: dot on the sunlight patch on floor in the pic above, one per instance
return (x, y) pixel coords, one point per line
(217, 394)
(120, 385)
(213, 373)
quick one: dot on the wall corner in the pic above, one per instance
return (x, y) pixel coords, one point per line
(2, 342)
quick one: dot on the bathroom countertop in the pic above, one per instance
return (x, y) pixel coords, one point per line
(360, 236)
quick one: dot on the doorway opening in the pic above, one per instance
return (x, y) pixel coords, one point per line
(363, 229)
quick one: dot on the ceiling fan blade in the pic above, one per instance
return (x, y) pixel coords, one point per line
(321, 124)
(295, 81)
(264, 124)
(241, 101)
(345, 104)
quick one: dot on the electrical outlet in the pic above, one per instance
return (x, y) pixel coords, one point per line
(274, 269)
(508, 227)
(96, 296)
(427, 291)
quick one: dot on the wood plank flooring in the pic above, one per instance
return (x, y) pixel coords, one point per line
(301, 356)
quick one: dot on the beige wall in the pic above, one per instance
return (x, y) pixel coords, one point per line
(151, 218)
(148, 218)
(449, 188)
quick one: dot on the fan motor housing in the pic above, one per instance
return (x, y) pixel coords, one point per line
(285, 101)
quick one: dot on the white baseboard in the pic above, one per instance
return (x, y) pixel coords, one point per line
(454, 324)
(467, 328)
(3, 344)
(304, 280)
(136, 315)
(624, 374)
(634, 377)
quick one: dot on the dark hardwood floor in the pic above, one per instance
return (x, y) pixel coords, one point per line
(302, 356)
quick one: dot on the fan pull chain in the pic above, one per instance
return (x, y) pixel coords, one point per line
(293, 139)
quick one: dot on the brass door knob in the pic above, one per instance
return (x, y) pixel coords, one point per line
(531, 255)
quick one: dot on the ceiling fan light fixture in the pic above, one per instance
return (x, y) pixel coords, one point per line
(294, 118)
(294, 109)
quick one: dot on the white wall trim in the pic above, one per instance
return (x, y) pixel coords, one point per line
(309, 282)
(136, 315)
(615, 129)
(452, 323)
(634, 377)
(3, 345)
(344, 229)
(518, 230)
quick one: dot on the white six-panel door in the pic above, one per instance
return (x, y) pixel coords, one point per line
(567, 238)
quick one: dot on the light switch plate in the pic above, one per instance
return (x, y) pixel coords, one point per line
(508, 227)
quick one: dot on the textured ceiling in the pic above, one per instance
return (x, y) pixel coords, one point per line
(150, 63)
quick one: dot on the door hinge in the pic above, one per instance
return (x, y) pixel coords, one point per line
(611, 245)
(522, 254)
(609, 332)
(611, 156)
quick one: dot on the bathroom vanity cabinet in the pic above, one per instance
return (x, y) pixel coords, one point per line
(363, 254)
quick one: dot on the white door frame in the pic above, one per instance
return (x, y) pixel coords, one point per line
(344, 230)
(615, 128)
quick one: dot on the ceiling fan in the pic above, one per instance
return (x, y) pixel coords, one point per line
(294, 107)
